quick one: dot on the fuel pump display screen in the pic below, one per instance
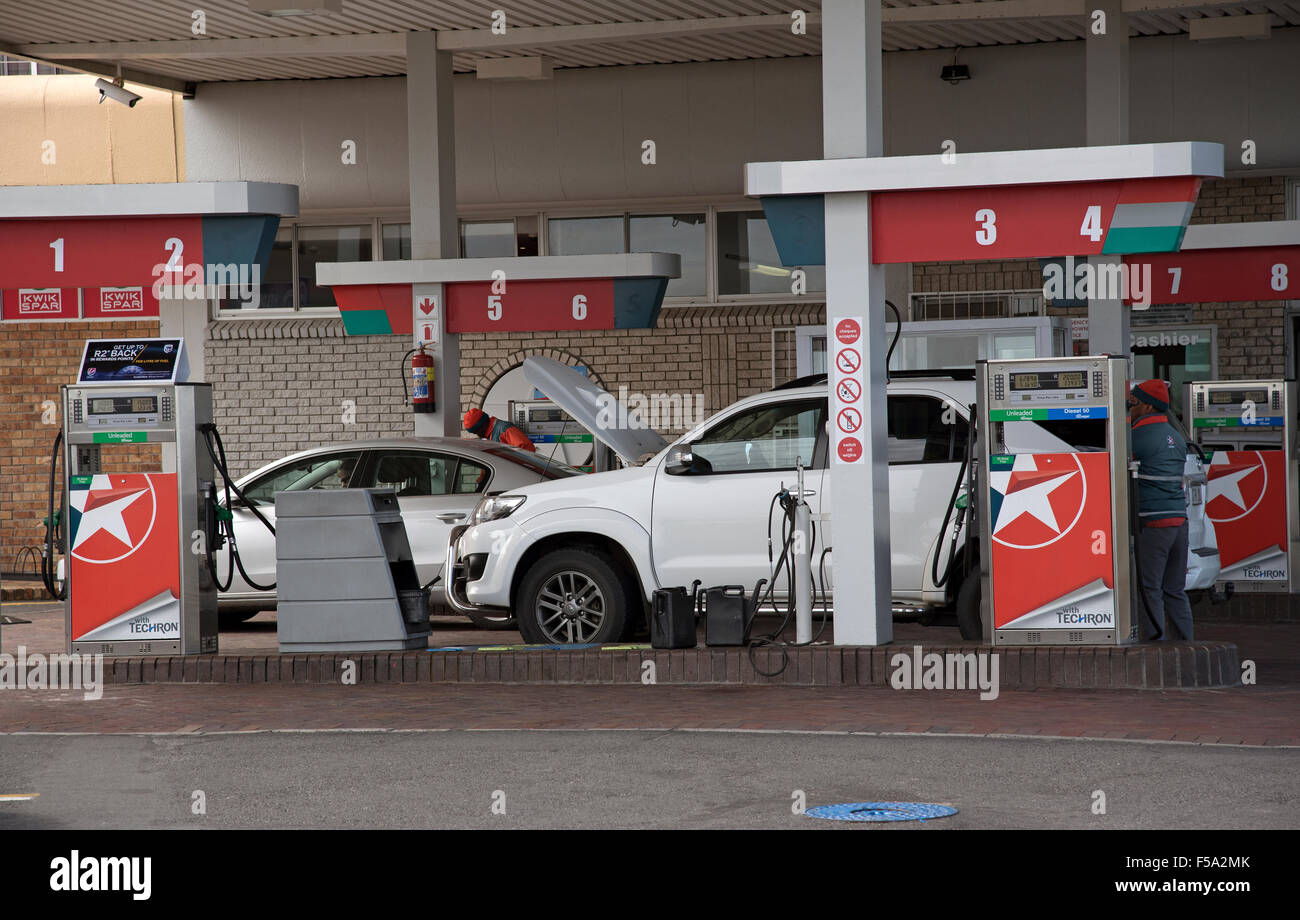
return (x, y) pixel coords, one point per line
(1237, 397)
(1049, 380)
(123, 405)
(547, 415)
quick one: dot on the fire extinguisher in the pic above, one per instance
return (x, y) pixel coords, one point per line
(422, 381)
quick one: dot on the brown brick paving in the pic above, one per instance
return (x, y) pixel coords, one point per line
(1252, 716)
(1267, 714)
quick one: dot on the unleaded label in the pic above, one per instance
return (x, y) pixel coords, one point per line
(119, 437)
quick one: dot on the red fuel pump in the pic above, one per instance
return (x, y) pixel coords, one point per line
(422, 398)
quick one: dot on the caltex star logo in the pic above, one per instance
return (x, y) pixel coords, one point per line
(1038, 501)
(1236, 484)
(109, 519)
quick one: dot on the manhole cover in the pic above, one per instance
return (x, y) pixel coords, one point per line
(881, 811)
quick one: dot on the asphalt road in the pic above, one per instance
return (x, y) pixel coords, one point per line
(630, 779)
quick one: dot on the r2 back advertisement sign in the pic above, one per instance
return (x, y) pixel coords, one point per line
(133, 360)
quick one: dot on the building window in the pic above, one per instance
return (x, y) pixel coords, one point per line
(397, 241)
(327, 244)
(684, 234)
(294, 255)
(487, 239)
(747, 262)
(585, 236)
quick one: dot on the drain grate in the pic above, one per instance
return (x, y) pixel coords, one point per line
(881, 811)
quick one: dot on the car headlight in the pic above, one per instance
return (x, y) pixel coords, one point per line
(494, 507)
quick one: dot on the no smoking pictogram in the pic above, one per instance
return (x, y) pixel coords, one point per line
(849, 420)
(848, 390)
(848, 360)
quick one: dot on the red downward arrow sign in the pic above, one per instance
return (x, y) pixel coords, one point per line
(426, 306)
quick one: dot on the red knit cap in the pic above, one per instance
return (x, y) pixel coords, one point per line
(472, 418)
(1153, 393)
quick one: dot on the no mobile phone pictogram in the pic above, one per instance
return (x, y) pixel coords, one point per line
(850, 450)
(849, 420)
(848, 331)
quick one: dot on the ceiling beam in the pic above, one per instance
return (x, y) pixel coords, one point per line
(381, 44)
(106, 68)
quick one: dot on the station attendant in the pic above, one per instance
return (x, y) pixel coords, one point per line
(478, 422)
(1161, 452)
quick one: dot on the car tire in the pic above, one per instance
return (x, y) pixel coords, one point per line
(572, 596)
(968, 607)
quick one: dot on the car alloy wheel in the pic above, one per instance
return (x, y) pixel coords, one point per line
(570, 608)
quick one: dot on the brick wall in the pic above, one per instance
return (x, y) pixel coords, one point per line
(724, 353)
(281, 386)
(35, 360)
(1252, 336)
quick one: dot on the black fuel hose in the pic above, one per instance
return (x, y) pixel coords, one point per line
(898, 331)
(952, 501)
(47, 559)
(217, 450)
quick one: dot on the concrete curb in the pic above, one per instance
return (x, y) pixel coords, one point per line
(1155, 666)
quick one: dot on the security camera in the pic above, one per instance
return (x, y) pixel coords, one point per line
(115, 91)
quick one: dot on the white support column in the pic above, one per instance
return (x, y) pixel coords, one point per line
(852, 110)
(1107, 112)
(188, 320)
(431, 144)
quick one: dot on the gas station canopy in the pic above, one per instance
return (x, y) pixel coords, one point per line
(1007, 204)
(117, 241)
(619, 291)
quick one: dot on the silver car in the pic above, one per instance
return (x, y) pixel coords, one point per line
(438, 482)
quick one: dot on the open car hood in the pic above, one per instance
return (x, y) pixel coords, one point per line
(594, 409)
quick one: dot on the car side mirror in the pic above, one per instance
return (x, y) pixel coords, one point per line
(682, 461)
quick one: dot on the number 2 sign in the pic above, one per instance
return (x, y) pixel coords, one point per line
(92, 252)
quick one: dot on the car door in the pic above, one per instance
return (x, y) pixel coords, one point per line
(927, 442)
(436, 490)
(713, 526)
(333, 470)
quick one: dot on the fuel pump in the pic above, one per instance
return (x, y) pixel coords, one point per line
(546, 423)
(1054, 512)
(137, 579)
(1248, 430)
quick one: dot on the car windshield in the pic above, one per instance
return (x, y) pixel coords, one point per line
(550, 469)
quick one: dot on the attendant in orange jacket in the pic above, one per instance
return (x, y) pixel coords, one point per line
(485, 426)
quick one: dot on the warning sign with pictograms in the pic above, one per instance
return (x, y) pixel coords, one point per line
(847, 386)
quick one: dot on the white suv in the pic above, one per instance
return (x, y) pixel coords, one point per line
(577, 559)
